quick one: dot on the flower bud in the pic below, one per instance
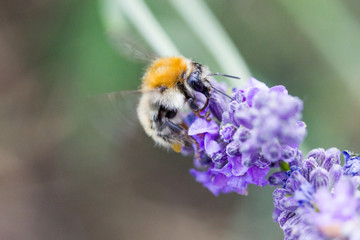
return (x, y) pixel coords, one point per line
(352, 164)
(243, 119)
(288, 153)
(335, 174)
(233, 148)
(272, 151)
(289, 203)
(319, 178)
(227, 132)
(239, 96)
(305, 194)
(242, 134)
(284, 217)
(277, 179)
(294, 181)
(318, 154)
(332, 157)
(308, 166)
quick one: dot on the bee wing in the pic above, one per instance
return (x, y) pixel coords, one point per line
(132, 48)
(114, 115)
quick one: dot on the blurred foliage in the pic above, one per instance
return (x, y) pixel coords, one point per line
(76, 184)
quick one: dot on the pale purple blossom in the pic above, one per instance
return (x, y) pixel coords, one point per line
(317, 173)
(331, 214)
(245, 136)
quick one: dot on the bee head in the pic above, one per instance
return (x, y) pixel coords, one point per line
(198, 79)
(199, 84)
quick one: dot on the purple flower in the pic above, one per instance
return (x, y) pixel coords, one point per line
(214, 182)
(227, 132)
(320, 198)
(341, 205)
(255, 130)
(352, 164)
(334, 214)
(270, 118)
(318, 172)
(225, 181)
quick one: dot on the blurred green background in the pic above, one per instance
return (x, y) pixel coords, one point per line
(62, 178)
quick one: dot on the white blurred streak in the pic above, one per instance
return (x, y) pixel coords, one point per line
(204, 24)
(143, 20)
(113, 19)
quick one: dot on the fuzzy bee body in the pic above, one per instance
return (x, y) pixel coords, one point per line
(168, 90)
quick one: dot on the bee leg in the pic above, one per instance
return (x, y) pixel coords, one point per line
(179, 130)
(162, 126)
(205, 105)
(198, 114)
(193, 105)
(196, 109)
(197, 153)
(207, 116)
(184, 126)
(173, 127)
(193, 141)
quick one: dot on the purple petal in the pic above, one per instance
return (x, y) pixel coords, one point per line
(200, 126)
(212, 147)
(233, 149)
(237, 168)
(257, 176)
(278, 89)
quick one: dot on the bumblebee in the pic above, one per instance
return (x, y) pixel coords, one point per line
(169, 88)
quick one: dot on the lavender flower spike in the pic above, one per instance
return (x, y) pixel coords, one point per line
(316, 174)
(245, 136)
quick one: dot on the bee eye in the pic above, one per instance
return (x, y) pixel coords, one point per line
(195, 82)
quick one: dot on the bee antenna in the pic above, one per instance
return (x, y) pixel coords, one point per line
(221, 92)
(224, 75)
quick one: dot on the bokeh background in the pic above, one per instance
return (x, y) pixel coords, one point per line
(65, 176)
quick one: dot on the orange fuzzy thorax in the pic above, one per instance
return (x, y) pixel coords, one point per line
(164, 72)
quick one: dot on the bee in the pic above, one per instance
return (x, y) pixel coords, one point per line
(169, 88)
